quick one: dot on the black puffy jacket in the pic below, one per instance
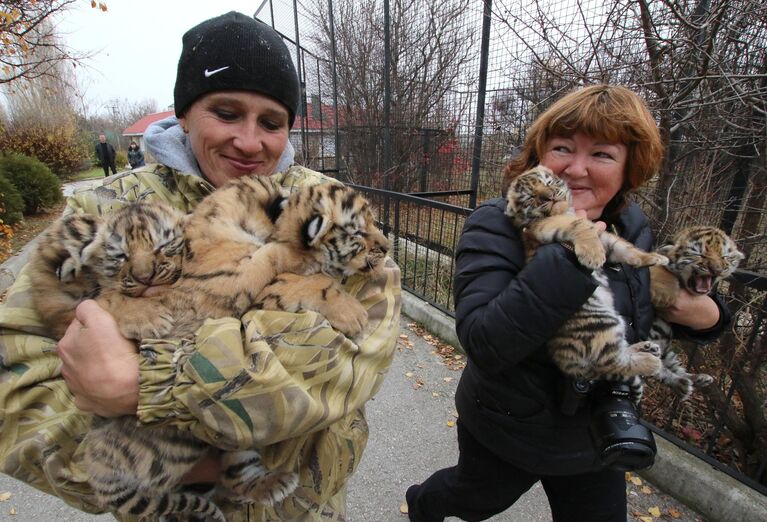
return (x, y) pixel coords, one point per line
(509, 395)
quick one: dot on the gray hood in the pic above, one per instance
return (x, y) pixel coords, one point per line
(170, 146)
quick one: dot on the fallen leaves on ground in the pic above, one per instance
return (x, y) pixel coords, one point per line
(418, 383)
(5, 496)
(647, 504)
(403, 508)
(634, 479)
(405, 341)
(449, 355)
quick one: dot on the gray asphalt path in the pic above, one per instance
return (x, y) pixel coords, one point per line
(409, 439)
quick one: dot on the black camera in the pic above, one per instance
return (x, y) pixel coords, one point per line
(623, 443)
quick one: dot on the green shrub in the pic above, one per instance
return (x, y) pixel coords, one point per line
(11, 203)
(38, 186)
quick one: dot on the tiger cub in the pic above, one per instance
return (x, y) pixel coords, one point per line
(248, 245)
(591, 344)
(82, 256)
(234, 249)
(699, 257)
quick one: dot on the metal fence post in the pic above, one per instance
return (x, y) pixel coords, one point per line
(479, 127)
(337, 144)
(387, 166)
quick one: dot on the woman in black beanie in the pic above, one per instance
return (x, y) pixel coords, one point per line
(236, 98)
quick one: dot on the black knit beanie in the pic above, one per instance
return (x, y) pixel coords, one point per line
(235, 52)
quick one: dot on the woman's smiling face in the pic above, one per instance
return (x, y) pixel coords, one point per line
(236, 133)
(593, 169)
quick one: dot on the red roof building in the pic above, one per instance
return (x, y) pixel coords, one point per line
(136, 131)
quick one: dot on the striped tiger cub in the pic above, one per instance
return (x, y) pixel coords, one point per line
(244, 245)
(591, 344)
(699, 257)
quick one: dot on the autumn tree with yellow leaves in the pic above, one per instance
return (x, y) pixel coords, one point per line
(29, 47)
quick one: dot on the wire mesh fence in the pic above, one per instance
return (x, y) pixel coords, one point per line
(423, 103)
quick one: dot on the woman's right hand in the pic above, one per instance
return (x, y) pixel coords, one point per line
(99, 365)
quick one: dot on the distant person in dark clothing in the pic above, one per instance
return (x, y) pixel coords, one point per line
(135, 156)
(105, 153)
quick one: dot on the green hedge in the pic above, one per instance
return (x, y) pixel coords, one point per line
(38, 186)
(11, 203)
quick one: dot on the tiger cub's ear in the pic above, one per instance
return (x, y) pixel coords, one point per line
(275, 208)
(315, 228)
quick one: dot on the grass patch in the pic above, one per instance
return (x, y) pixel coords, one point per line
(95, 172)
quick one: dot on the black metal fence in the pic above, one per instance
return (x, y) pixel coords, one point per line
(419, 105)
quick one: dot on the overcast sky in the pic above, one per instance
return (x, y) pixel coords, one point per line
(138, 42)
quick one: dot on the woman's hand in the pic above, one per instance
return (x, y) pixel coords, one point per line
(600, 225)
(698, 312)
(99, 365)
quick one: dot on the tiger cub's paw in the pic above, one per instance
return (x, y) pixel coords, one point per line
(147, 326)
(246, 480)
(346, 315)
(652, 259)
(682, 387)
(645, 358)
(648, 347)
(590, 254)
(701, 380)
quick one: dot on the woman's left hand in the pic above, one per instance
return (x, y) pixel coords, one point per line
(99, 365)
(698, 312)
(601, 226)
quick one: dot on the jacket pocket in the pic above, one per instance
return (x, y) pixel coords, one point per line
(519, 408)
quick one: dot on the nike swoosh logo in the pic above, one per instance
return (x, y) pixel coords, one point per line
(208, 73)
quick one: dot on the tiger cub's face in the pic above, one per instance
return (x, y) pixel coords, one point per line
(142, 245)
(334, 225)
(700, 256)
(534, 194)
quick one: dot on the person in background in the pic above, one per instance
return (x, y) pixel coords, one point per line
(106, 155)
(236, 97)
(513, 430)
(135, 156)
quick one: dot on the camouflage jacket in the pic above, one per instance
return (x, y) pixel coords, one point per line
(285, 383)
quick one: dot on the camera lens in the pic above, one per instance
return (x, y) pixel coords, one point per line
(624, 443)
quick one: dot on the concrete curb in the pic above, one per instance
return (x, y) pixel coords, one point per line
(713, 494)
(692, 481)
(433, 319)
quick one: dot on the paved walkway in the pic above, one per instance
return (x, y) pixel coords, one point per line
(410, 437)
